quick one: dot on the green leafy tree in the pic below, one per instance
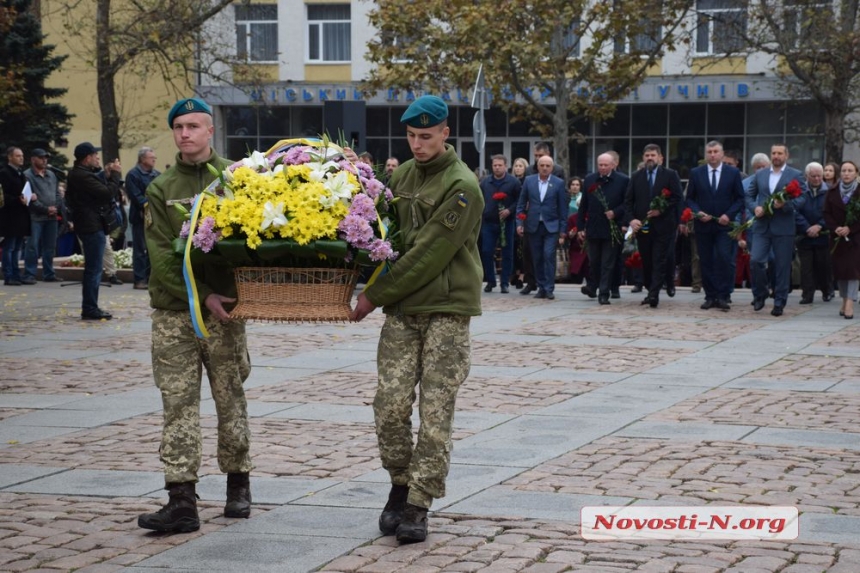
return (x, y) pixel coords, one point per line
(815, 49)
(131, 43)
(28, 116)
(581, 54)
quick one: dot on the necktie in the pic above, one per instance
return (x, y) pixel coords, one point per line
(713, 180)
(651, 178)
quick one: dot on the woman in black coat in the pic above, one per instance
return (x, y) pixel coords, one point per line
(842, 217)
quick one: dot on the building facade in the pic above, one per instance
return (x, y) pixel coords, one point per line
(314, 53)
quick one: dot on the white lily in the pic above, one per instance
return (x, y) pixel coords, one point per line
(339, 186)
(318, 171)
(257, 161)
(273, 215)
(327, 153)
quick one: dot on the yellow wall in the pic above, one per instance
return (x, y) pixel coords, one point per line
(316, 73)
(719, 66)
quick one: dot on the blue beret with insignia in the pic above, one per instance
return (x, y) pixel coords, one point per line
(426, 111)
(187, 105)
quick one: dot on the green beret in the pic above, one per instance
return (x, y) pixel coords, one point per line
(187, 105)
(425, 111)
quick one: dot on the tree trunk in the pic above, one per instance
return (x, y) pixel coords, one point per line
(834, 132)
(560, 126)
(105, 87)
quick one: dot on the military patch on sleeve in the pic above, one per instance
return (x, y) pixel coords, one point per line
(451, 219)
(461, 200)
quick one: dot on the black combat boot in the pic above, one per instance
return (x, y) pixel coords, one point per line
(180, 513)
(413, 528)
(392, 514)
(238, 496)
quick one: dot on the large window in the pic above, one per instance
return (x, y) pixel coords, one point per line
(648, 32)
(806, 23)
(257, 32)
(721, 26)
(329, 33)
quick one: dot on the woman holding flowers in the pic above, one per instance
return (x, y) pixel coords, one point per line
(842, 217)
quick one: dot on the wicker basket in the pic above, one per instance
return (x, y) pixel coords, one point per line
(282, 294)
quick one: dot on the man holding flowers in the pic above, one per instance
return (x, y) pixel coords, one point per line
(772, 197)
(177, 353)
(429, 296)
(600, 210)
(715, 196)
(651, 204)
(501, 191)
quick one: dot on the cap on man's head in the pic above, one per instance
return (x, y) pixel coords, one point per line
(39, 152)
(187, 105)
(84, 149)
(426, 111)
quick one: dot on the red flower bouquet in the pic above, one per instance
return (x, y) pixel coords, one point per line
(500, 198)
(614, 232)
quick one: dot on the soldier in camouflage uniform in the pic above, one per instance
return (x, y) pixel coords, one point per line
(429, 296)
(177, 354)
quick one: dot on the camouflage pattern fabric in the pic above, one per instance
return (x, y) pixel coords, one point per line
(433, 353)
(177, 358)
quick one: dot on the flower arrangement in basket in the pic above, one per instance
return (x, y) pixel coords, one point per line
(295, 222)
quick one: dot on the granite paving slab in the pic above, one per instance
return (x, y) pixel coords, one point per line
(102, 483)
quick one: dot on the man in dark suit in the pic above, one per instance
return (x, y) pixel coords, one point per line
(773, 231)
(602, 202)
(542, 213)
(813, 248)
(715, 194)
(654, 228)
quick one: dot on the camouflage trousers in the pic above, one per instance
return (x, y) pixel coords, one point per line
(178, 357)
(431, 353)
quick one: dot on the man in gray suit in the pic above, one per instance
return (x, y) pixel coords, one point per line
(542, 213)
(774, 231)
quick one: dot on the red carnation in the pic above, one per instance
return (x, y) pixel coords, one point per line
(666, 193)
(521, 216)
(793, 189)
(500, 196)
(687, 215)
(594, 187)
(634, 261)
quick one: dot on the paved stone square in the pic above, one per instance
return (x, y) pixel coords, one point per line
(568, 404)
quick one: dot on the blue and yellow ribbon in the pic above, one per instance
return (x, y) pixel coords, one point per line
(188, 274)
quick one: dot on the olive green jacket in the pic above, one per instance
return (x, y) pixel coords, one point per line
(163, 221)
(438, 207)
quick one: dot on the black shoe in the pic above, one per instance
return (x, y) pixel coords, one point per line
(413, 528)
(637, 288)
(112, 279)
(50, 280)
(646, 300)
(178, 516)
(550, 296)
(518, 284)
(696, 290)
(670, 290)
(654, 302)
(588, 292)
(777, 311)
(541, 294)
(12, 282)
(392, 513)
(806, 300)
(489, 288)
(722, 305)
(504, 289)
(527, 290)
(238, 495)
(97, 314)
(615, 294)
(758, 304)
(708, 304)
(827, 297)
(603, 299)
(28, 281)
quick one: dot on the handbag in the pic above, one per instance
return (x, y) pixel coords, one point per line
(562, 262)
(107, 216)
